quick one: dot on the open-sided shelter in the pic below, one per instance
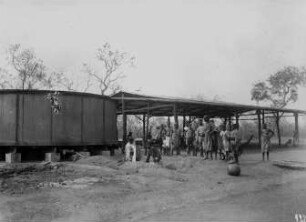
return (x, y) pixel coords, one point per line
(136, 104)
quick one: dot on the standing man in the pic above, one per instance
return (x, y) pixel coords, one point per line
(200, 133)
(208, 137)
(175, 139)
(226, 135)
(236, 141)
(266, 135)
(214, 138)
(189, 134)
(155, 146)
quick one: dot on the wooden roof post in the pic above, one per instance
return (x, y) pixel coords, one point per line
(263, 117)
(184, 121)
(147, 129)
(296, 129)
(225, 121)
(124, 119)
(175, 114)
(237, 119)
(144, 136)
(278, 129)
(230, 121)
(259, 127)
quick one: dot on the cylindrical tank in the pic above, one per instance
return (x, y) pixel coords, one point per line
(27, 118)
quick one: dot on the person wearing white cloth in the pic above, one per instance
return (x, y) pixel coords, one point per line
(128, 147)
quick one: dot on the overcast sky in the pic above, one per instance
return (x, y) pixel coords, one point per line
(182, 48)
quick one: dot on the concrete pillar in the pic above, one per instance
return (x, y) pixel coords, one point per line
(13, 156)
(54, 157)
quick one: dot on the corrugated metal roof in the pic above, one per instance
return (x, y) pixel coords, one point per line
(163, 106)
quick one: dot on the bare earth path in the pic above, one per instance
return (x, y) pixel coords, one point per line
(182, 189)
(274, 203)
(271, 202)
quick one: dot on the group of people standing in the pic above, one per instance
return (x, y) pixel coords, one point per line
(164, 140)
(199, 136)
(210, 140)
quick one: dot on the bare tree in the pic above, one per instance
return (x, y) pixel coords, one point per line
(30, 69)
(6, 79)
(280, 89)
(61, 82)
(29, 72)
(113, 61)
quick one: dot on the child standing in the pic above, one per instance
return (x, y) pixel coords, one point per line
(200, 134)
(220, 131)
(226, 140)
(189, 140)
(266, 135)
(236, 141)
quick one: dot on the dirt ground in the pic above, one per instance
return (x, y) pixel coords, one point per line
(181, 188)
